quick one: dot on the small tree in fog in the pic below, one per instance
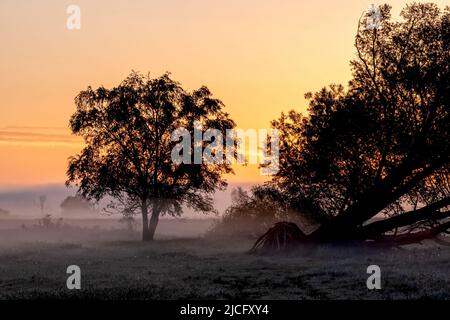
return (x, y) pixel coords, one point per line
(42, 200)
(76, 204)
(127, 131)
(251, 212)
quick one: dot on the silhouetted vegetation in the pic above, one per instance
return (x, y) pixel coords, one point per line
(76, 204)
(49, 222)
(127, 131)
(379, 146)
(252, 212)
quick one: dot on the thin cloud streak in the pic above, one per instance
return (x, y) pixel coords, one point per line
(38, 139)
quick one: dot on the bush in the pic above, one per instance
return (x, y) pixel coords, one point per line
(48, 222)
(252, 213)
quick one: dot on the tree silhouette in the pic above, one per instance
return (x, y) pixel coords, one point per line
(381, 145)
(251, 212)
(75, 204)
(128, 135)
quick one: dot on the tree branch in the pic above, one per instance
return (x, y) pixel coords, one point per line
(430, 212)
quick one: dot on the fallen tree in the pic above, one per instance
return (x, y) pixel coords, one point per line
(372, 162)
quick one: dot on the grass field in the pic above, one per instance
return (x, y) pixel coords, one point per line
(116, 265)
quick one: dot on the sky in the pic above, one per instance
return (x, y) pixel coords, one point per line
(258, 56)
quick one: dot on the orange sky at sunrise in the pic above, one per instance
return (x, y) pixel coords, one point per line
(258, 57)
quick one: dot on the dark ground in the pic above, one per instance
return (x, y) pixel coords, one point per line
(115, 264)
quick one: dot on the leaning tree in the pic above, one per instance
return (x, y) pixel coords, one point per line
(371, 161)
(128, 133)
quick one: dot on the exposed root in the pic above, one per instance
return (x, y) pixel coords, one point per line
(282, 236)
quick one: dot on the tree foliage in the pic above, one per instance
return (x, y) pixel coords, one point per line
(380, 145)
(127, 132)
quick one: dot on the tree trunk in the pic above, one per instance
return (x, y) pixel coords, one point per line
(275, 238)
(145, 230)
(153, 222)
(414, 237)
(345, 226)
